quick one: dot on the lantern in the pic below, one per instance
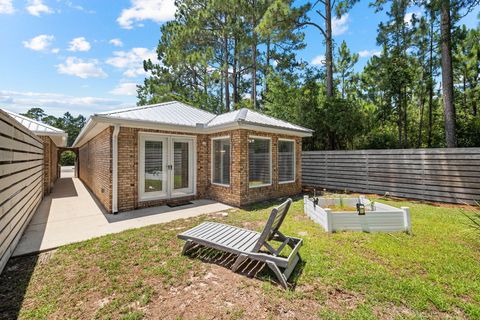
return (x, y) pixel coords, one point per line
(361, 209)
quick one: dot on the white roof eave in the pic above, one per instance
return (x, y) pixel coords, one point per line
(85, 134)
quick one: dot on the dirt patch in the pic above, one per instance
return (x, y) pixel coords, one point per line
(220, 293)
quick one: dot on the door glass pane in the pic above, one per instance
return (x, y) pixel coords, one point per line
(154, 166)
(180, 165)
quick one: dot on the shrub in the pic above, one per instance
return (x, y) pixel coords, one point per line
(67, 158)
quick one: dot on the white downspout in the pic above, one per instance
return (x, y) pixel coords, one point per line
(116, 130)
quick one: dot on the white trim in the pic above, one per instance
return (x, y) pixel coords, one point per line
(271, 161)
(84, 135)
(168, 191)
(229, 137)
(294, 161)
(116, 131)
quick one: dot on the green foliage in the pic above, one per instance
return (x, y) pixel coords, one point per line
(67, 158)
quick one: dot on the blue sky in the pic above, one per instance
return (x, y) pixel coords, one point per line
(86, 56)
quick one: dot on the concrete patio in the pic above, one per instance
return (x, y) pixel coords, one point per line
(71, 214)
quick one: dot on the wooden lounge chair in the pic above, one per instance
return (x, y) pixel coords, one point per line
(247, 244)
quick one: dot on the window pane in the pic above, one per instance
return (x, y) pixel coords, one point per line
(259, 161)
(153, 166)
(180, 165)
(221, 161)
(286, 161)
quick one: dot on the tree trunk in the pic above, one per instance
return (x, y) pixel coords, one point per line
(267, 66)
(420, 125)
(405, 119)
(234, 73)
(225, 71)
(430, 84)
(329, 48)
(254, 57)
(447, 76)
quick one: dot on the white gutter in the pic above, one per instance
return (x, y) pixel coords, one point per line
(116, 130)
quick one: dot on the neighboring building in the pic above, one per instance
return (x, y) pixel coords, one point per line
(53, 138)
(171, 152)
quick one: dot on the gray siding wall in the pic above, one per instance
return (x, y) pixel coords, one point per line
(444, 175)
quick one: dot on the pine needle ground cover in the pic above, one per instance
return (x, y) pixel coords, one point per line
(140, 274)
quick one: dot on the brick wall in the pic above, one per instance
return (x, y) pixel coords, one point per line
(239, 193)
(50, 164)
(95, 167)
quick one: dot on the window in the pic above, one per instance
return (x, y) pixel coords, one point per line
(259, 162)
(153, 166)
(286, 161)
(221, 161)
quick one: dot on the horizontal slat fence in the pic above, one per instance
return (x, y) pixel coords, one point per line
(444, 175)
(21, 184)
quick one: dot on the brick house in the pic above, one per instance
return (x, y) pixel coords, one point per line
(171, 152)
(53, 139)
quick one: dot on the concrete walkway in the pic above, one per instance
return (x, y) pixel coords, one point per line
(70, 214)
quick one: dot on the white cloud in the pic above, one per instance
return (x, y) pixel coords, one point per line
(6, 7)
(340, 25)
(39, 43)
(79, 44)
(140, 10)
(368, 53)
(55, 50)
(57, 103)
(409, 16)
(37, 7)
(318, 60)
(125, 89)
(81, 68)
(132, 61)
(116, 42)
(70, 4)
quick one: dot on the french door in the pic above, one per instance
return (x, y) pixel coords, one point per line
(166, 166)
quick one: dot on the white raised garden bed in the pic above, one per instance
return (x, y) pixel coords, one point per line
(383, 218)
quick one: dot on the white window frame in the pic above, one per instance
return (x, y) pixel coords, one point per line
(294, 161)
(169, 192)
(271, 161)
(212, 156)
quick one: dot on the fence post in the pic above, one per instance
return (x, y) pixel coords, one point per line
(406, 220)
(329, 220)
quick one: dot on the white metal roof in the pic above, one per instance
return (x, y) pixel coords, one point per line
(174, 113)
(178, 116)
(254, 118)
(41, 129)
(178, 113)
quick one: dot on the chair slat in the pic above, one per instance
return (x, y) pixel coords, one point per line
(233, 237)
(221, 233)
(226, 233)
(240, 240)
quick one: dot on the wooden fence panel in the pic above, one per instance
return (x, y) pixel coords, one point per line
(444, 175)
(21, 182)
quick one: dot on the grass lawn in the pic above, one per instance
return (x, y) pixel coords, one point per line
(140, 274)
